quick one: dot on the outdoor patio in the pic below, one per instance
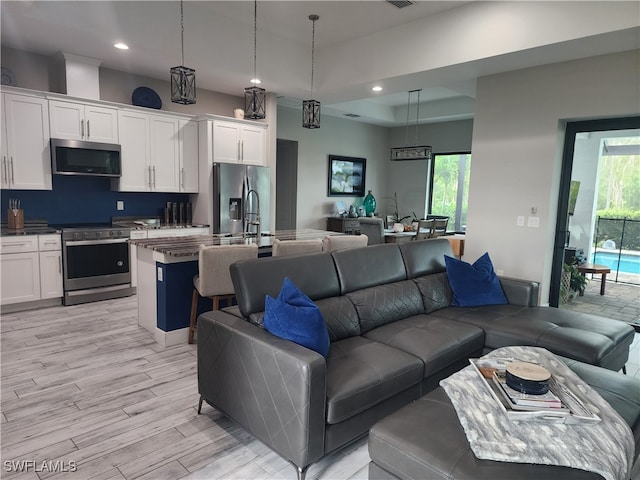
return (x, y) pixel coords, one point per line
(620, 301)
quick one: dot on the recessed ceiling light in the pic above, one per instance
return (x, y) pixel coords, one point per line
(377, 88)
(256, 81)
(121, 46)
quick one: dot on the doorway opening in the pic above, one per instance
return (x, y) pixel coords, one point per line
(286, 184)
(598, 221)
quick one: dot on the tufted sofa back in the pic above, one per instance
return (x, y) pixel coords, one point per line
(356, 289)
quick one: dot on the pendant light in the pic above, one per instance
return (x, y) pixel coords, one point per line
(183, 79)
(415, 152)
(311, 108)
(254, 96)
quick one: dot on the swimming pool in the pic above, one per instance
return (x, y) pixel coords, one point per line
(629, 263)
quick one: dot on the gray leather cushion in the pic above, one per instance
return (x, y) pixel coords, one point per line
(438, 342)
(340, 317)
(424, 257)
(383, 304)
(435, 290)
(362, 373)
(583, 337)
(425, 440)
(368, 266)
(253, 279)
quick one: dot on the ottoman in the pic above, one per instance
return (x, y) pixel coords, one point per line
(425, 441)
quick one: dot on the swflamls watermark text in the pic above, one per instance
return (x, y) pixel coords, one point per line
(54, 466)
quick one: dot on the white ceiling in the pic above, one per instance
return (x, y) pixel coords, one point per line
(438, 47)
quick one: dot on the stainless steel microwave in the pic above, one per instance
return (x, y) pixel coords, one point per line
(77, 157)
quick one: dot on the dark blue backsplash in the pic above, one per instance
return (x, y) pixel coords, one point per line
(84, 199)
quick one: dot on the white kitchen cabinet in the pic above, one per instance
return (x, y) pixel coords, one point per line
(165, 153)
(133, 255)
(188, 156)
(31, 268)
(26, 155)
(50, 257)
(80, 121)
(20, 272)
(239, 143)
(134, 152)
(151, 151)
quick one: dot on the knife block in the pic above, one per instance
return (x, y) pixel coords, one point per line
(15, 218)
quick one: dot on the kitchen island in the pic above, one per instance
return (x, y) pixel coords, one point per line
(166, 267)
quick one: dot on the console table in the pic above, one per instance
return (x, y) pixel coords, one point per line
(343, 224)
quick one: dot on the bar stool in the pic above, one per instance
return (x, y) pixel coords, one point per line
(213, 279)
(295, 247)
(337, 242)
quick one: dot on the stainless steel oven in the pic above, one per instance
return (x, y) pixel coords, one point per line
(96, 264)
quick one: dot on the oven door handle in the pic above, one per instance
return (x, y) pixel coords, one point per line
(73, 243)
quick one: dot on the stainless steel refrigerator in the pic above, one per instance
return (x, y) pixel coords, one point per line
(241, 198)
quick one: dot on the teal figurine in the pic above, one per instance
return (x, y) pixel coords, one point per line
(369, 204)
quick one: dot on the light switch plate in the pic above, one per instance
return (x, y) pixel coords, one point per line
(533, 222)
(120, 205)
(520, 221)
(160, 274)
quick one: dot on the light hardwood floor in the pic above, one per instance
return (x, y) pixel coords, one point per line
(86, 387)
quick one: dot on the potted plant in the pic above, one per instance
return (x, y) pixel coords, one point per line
(396, 215)
(573, 282)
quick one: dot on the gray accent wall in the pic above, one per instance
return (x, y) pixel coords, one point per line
(336, 136)
(518, 135)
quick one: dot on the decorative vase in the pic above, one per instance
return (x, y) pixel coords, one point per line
(369, 204)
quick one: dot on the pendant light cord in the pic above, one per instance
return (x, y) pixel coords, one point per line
(313, 18)
(182, 30)
(415, 141)
(255, 37)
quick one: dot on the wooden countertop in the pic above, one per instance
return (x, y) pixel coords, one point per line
(190, 245)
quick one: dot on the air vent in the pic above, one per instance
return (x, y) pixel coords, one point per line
(400, 3)
(352, 115)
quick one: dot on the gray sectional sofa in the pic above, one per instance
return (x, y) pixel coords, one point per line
(393, 334)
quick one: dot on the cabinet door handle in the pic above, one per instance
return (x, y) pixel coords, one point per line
(154, 176)
(4, 169)
(59, 264)
(149, 175)
(242, 143)
(82, 128)
(88, 129)
(13, 179)
(182, 175)
(239, 156)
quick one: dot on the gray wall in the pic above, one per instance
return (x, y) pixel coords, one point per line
(409, 178)
(336, 136)
(518, 136)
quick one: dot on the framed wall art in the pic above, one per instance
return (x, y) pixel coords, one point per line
(346, 176)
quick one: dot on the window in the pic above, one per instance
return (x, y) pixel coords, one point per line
(449, 188)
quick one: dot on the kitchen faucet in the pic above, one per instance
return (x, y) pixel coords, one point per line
(256, 222)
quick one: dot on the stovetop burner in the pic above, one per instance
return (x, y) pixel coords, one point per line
(93, 231)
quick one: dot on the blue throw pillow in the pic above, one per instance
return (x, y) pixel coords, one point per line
(474, 285)
(293, 316)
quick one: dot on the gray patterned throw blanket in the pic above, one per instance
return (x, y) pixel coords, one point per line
(605, 447)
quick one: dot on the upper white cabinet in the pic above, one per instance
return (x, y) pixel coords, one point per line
(26, 157)
(159, 153)
(165, 153)
(80, 121)
(239, 143)
(188, 156)
(134, 152)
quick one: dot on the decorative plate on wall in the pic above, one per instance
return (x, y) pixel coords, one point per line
(8, 77)
(146, 97)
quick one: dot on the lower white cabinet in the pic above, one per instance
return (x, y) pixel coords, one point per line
(50, 248)
(31, 268)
